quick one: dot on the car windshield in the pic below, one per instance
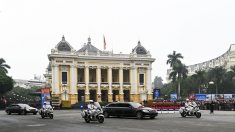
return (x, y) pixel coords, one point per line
(136, 105)
(24, 105)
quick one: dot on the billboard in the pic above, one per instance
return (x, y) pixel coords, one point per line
(173, 97)
(200, 97)
(156, 93)
(45, 96)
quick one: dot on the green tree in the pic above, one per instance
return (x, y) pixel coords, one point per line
(174, 59)
(200, 79)
(217, 75)
(6, 83)
(3, 66)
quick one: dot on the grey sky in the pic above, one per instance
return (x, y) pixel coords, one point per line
(199, 29)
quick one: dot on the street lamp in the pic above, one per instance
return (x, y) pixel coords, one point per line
(211, 83)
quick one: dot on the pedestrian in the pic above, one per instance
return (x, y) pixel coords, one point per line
(212, 107)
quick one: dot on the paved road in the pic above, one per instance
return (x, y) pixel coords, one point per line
(71, 121)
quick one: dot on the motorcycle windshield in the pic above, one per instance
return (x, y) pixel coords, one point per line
(97, 104)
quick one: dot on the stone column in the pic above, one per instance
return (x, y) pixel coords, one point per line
(134, 90)
(55, 79)
(87, 92)
(121, 94)
(98, 77)
(73, 84)
(149, 84)
(110, 92)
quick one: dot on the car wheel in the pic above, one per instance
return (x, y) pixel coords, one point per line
(106, 114)
(35, 113)
(139, 115)
(152, 117)
(8, 112)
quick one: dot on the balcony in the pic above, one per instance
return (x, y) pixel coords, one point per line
(81, 84)
(93, 84)
(126, 84)
(104, 84)
(115, 84)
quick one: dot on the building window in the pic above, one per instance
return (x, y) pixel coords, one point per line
(141, 79)
(126, 76)
(81, 75)
(64, 78)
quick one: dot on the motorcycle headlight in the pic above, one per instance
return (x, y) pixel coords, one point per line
(146, 111)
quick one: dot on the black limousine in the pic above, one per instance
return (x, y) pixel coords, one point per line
(128, 109)
(21, 109)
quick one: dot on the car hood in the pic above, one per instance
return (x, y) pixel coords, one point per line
(145, 108)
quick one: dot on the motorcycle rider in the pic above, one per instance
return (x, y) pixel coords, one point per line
(188, 105)
(91, 108)
(46, 106)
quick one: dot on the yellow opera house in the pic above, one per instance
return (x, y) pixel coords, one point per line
(92, 74)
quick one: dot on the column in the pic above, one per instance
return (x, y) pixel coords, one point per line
(121, 98)
(134, 90)
(87, 92)
(98, 77)
(110, 92)
(73, 84)
(55, 79)
(149, 84)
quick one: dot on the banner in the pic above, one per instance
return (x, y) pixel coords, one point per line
(228, 96)
(200, 97)
(156, 93)
(173, 97)
(45, 96)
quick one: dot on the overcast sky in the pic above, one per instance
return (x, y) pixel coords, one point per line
(198, 29)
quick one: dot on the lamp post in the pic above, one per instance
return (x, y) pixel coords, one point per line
(211, 83)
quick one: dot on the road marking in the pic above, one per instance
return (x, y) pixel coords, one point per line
(36, 125)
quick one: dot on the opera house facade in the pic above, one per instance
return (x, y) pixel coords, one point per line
(93, 74)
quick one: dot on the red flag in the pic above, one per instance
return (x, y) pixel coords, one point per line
(104, 44)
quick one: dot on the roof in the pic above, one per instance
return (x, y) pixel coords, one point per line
(139, 49)
(89, 47)
(63, 45)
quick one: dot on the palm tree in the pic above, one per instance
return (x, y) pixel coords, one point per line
(179, 73)
(174, 58)
(3, 66)
(217, 74)
(200, 78)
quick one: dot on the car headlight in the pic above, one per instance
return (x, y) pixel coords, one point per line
(146, 111)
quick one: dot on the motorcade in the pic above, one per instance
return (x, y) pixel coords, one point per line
(95, 114)
(46, 112)
(194, 111)
(129, 109)
(21, 109)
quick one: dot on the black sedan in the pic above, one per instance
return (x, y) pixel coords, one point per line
(21, 109)
(129, 109)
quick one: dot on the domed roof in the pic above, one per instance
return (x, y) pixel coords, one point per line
(89, 47)
(64, 46)
(139, 49)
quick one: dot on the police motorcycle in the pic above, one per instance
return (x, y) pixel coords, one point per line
(46, 112)
(95, 114)
(193, 111)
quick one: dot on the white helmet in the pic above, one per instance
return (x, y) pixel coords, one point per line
(91, 101)
(187, 99)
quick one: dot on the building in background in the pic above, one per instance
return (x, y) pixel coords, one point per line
(226, 60)
(27, 84)
(98, 75)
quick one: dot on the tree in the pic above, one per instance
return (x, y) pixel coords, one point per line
(174, 59)
(200, 79)
(3, 66)
(6, 83)
(217, 75)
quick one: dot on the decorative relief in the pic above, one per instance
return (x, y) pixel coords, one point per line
(64, 68)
